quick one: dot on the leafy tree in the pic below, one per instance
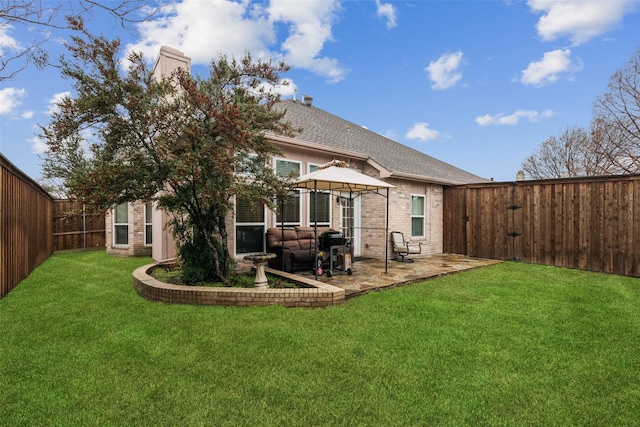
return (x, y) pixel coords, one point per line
(62, 164)
(179, 141)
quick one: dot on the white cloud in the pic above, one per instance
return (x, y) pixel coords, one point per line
(549, 69)
(580, 20)
(310, 24)
(422, 132)
(512, 119)
(54, 100)
(387, 11)
(10, 99)
(285, 89)
(27, 114)
(38, 145)
(7, 43)
(444, 72)
(202, 30)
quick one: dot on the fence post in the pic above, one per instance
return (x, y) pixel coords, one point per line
(84, 227)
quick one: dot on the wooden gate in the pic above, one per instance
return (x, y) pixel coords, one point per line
(586, 223)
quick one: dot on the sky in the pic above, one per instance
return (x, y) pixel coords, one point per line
(478, 84)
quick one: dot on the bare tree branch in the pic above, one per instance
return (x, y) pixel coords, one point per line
(618, 112)
(612, 144)
(44, 19)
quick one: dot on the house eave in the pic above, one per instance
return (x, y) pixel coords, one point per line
(428, 179)
(386, 173)
(299, 143)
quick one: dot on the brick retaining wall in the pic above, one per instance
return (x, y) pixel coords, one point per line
(319, 295)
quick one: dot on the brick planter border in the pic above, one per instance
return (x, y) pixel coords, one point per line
(320, 295)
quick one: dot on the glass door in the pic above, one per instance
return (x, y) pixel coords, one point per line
(350, 220)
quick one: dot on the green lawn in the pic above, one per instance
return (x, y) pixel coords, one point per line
(511, 344)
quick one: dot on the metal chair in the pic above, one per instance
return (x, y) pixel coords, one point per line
(403, 248)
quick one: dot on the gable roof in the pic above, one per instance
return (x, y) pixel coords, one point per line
(390, 157)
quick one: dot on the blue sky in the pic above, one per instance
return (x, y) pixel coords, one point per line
(478, 84)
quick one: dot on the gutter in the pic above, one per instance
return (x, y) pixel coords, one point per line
(299, 143)
(386, 173)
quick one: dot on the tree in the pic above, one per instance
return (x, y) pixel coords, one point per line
(617, 114)
(44, 18)
(62, 165)
(565, 156)
(178, 141)
(611, 146)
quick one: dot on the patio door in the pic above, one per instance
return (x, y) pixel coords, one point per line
(350, 220)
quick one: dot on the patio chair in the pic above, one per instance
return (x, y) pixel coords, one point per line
(403, 248)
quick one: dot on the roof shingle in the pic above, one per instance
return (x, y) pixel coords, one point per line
(323, 128)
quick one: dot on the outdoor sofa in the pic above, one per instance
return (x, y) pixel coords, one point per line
(297, 248)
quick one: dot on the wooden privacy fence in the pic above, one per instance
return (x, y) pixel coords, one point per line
(33, 225)
(587, 223)
(78, 230)
(25, 225)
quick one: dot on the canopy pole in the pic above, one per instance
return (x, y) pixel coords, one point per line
(386, 238)
(315, 227)
(282, 227)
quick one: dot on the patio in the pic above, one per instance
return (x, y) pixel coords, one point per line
(368, 274)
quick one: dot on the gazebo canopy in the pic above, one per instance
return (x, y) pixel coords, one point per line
(336, 177)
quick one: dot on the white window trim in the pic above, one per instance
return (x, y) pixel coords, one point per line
(290, 224)
(276, 159)
(275, 216)
(120, 245)
(320, 223)
(423, 216)
(148, 223)
(310, 195)
(235, 231)
(310, 165)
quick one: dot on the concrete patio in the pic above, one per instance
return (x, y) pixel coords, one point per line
(369, 274)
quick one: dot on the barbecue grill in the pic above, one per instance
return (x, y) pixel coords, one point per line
(335, 250)
(331, 238)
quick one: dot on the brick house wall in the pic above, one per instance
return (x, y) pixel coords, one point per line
(373, 215)
(373, 235)
(136, 233)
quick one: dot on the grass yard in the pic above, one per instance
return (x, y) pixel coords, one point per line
(511, 344)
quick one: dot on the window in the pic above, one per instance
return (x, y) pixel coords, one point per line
(250, 226)
(289, 210)
(121, 224)
(417, 216)
(287, 168)
(148, 220)
(324, 205)
(324, 208)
